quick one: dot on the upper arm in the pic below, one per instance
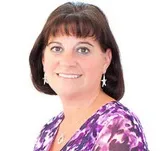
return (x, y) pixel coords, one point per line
(121, 134)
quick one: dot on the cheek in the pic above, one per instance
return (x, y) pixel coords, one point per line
(49, 65)
(93, 68)
(95, 65)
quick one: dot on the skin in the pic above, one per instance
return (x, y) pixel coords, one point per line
(84, 58)
(71, 55)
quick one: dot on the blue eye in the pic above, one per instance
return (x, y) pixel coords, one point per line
(56, 49)
(83, 50)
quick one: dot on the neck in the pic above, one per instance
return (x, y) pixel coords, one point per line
(76, 105)
(84, 104)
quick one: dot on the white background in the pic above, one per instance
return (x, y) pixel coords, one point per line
(23, 110)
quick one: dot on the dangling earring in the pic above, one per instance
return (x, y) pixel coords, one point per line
(104, 80)
(45, 79)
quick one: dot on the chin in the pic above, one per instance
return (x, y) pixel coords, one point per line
(68, 93)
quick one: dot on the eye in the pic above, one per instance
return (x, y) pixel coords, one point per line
(83, 50)
(56, 49)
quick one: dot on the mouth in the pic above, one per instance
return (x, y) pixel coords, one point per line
(69, 76)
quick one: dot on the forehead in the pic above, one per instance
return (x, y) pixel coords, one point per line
(72, 41)
(64, 38)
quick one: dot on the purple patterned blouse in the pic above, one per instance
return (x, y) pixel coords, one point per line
(112, 128)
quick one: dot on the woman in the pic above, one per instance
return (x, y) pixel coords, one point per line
(76, 57)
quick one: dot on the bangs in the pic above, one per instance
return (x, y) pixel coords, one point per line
(74, 25)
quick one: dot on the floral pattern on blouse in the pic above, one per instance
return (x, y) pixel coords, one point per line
(112, 128)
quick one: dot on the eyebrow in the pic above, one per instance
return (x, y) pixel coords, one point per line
(82, 42)
(54, 42)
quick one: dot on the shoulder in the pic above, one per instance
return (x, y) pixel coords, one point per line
(114, 112)
(122, 131)
(51, 124)
(47, 132)
(117, 111)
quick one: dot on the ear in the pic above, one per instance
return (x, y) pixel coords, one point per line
(108, 58)
(43, 62)
(42, 59)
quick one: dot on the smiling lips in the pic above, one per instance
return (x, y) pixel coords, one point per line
(69, 76)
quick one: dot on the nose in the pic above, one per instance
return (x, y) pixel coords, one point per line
(67, 59)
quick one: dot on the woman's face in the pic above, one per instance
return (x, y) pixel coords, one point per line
(74, 65)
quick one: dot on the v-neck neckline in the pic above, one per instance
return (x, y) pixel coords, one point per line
(76, 133)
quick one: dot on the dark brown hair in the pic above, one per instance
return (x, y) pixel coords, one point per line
(80, 20)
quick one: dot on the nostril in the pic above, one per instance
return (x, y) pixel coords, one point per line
(70, 62)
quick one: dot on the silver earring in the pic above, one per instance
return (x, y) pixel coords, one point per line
(104, 80)
(45, 79)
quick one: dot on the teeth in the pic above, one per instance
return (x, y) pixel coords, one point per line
(72, 76)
